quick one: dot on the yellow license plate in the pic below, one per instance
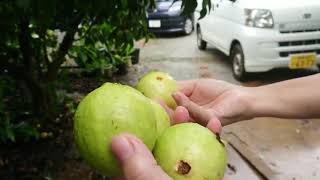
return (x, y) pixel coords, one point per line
(302, 61)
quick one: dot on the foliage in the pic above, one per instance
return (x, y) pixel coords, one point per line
(190, 6)
(11, 129)
(101, 49)
(10, 132)
(37, 37)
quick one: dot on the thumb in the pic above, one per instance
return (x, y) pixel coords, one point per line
(200, 114)
(135, 159)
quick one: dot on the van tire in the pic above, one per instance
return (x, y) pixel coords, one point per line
(202, 45)
(238, 63)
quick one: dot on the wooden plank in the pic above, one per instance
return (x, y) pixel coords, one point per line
(238, 168)
(279, 149)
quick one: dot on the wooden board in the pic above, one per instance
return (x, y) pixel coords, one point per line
(279, 149)
(238, 168)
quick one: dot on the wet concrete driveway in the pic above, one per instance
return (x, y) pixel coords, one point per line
(266, 148)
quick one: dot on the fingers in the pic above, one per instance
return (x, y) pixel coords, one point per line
(135, 159)
(188, 108)
(214, 125)
(179, 115)
(186, 87)
(201, 115)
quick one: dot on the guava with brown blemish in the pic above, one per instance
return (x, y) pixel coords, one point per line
(107, 111)
(159, 86)
(189, 151)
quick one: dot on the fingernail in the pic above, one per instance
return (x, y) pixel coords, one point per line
(122, 148)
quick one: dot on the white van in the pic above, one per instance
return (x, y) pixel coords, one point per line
(260, 35)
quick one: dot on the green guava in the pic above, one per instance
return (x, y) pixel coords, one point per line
(162, 118)
(158, 85)
(107, 111)
(189, 151)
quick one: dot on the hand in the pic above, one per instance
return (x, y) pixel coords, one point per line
(211, 103)
(135, 159)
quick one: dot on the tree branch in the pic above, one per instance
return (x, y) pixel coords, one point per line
(44, 47)
(24, 42)
(63, 50)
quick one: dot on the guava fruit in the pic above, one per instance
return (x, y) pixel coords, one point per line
(162, 118)
(158, 85)
(189, 151)
(107, 111)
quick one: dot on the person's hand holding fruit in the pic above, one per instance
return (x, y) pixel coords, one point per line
(116, 122)
(197, 101)
(135, 159)
(211, 103)
(185, 150)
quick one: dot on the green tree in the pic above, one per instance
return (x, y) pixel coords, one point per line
(36, 36)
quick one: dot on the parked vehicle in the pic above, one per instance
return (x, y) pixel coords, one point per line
(167, 17)
(263, 35)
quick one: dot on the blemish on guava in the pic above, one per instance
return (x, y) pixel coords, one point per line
(159, 78)
(183, 167)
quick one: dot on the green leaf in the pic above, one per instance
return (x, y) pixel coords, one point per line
(189, 6)
(206, 8)
(10, 135)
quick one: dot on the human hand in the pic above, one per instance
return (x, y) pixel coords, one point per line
(211, 103)
(135, 159)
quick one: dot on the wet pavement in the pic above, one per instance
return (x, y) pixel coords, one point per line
(179, 56)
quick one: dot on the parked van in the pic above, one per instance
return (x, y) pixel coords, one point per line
(260, 35)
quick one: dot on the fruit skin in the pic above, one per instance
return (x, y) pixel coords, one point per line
(162, 118)
(105, 112)
(158, 85)
(202, 155)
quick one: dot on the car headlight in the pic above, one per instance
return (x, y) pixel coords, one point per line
(260, 18)
(176, 6)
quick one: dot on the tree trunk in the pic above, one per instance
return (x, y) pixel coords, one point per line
(43, 104)
(40, 84)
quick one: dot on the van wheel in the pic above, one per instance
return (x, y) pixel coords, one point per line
(188, 26)
(238, 68)
(202, 45)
